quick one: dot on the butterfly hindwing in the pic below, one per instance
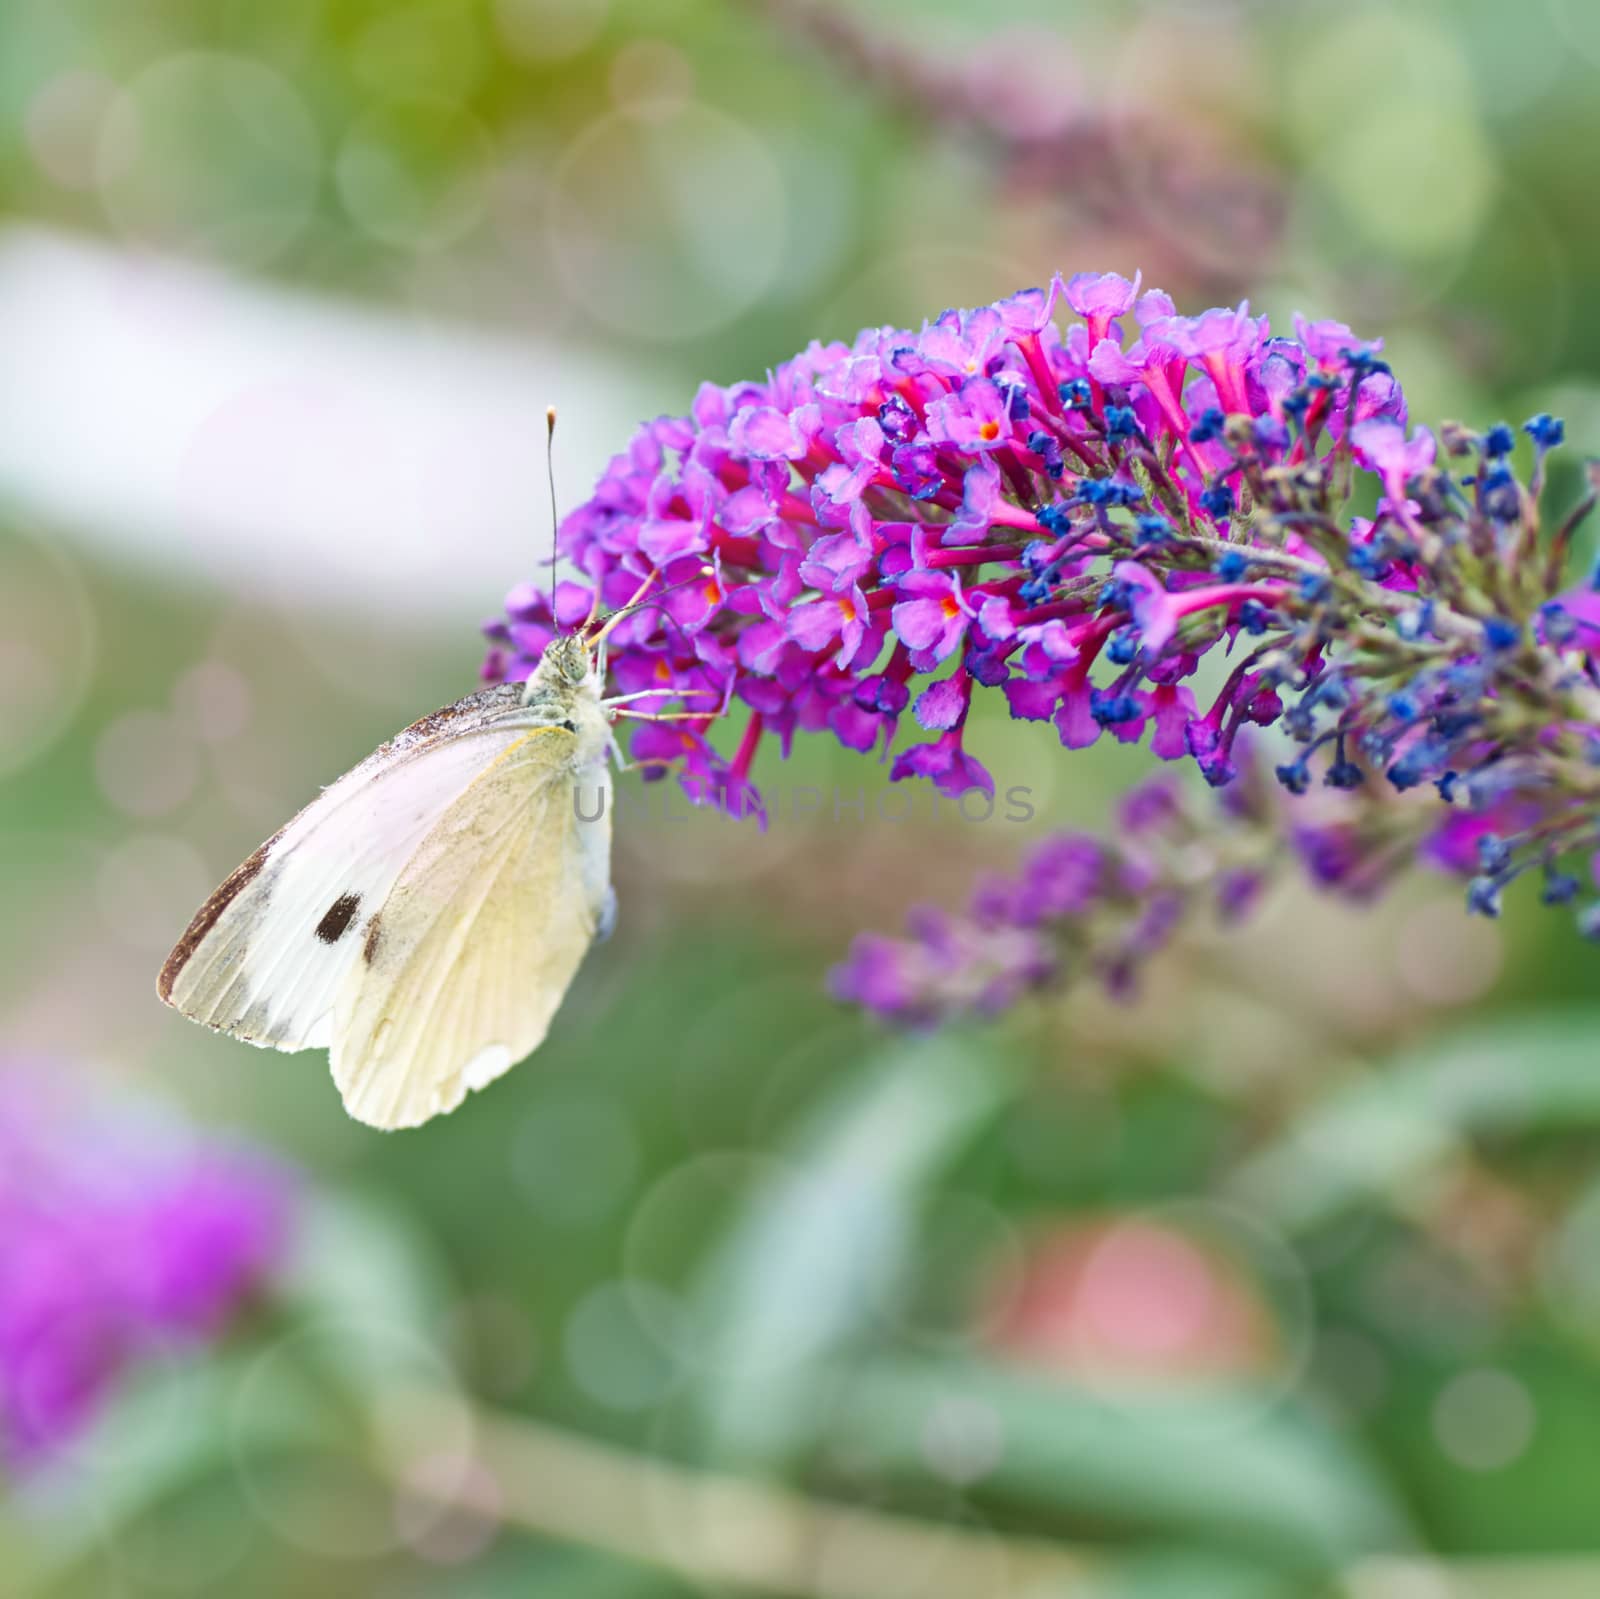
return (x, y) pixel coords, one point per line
(462, 969)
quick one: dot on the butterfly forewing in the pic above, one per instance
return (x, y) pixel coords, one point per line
(301, 942)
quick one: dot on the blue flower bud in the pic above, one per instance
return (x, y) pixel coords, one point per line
(1253, 617)
(1122, 646)
(1494, 854)
(1108, 708)
(1332, 693)
(1416, 765)
(1045, 446)
(1230, 566)
(1208, 427)
(1545, 430)
(987, 666)
(1121, 423)
(1295, 776)
(1559, 626)
(1498, 441)
(1369, 561)
(1560, 888)
(1075, 394)
(1363, 362)
(1016, 393)
(1483, 897)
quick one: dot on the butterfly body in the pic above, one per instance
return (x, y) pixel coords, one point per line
(425, 915)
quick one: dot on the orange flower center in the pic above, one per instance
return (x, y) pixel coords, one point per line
(989, 431)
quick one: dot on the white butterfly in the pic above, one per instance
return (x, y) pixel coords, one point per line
(424, 916)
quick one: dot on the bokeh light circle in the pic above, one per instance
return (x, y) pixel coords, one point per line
(667, 226)
(491, 1340)
(1197, 1301)
(963, 1439)
(575, 1160)
(62, 126)
(317, 1489)
(1569, 1268)
(447, 1511)
(48, 634)
(148, 887)
(214, 701)
(1484, 1419)
(424, 48)
(136, 1430)
(213, 153)
(712, 1068)
(146, 764)
(193, 1546)
(621, 1344)
(549, 30)
(1444, 957)
(968, 1263)
(1357, 203)
(650, 78)
(415, 174)
(678, 1224)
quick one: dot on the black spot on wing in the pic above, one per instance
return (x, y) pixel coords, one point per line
(338, 917)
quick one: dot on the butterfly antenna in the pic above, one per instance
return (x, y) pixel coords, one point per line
(642, 599)
(555, 521)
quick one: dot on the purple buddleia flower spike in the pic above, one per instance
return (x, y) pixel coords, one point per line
(1069, 520)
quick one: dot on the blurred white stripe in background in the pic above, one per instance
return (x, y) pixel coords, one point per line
(231, 432)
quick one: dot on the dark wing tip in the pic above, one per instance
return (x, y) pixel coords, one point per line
(207, 917)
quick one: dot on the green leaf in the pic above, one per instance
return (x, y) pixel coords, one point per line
(1247, 1473)
(1405, 1120)
(797, 1276)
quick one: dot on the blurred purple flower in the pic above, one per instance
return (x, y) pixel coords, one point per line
(119, 1239)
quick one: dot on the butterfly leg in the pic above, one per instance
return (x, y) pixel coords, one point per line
(648, 693)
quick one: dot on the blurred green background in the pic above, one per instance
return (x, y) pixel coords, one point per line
(1283, 1280)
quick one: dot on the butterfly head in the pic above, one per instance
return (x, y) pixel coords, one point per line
(568, 660)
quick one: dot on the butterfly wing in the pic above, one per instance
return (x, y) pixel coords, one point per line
(266, 955)
(471, 953)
